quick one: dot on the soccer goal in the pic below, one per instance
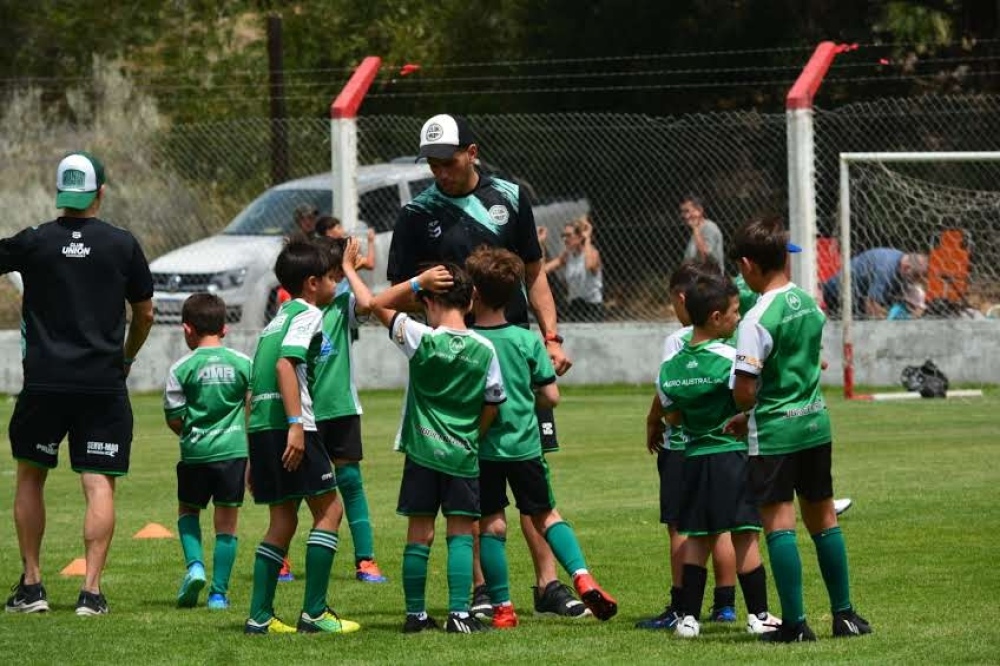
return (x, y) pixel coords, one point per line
(942, 210)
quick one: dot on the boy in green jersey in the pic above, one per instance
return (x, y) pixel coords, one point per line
(287, 461)
(453, 393)
(693, 390)
(511, 451)
(775, 378)
(669, 452)
(205, 403)
(335, 398)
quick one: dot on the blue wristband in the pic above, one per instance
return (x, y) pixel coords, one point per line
(415, 285)
(292, 420)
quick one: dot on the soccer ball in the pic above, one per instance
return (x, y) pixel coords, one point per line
(688, 627)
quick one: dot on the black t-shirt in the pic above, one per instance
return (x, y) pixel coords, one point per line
(78, 273)
(436, 227)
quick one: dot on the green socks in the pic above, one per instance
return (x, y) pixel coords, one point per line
(459, 572)
(222, 563)
(786, 567)
(415, 556)
(321, 546)
(493, 557)
(832, 555)
(562, 541)
(266, 566)
(352, 492)
(190, 532)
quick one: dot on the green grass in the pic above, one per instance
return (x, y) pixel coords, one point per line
(922, 539)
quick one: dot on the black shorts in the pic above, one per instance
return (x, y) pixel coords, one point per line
(805, 473)
(222, 481)
(529, 481)
(715, 496)
(341, 437)
(99, 427)
(670, 464)
(273, 484)
(423, 491)
(547, 429)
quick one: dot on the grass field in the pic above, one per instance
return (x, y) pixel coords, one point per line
(922, 539)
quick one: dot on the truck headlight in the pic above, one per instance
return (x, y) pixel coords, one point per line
(227, 280)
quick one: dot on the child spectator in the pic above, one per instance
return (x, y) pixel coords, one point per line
(693, 390)
(511, 451)
(775, 379)
(287, 461)
(452, 397)
(205, 403)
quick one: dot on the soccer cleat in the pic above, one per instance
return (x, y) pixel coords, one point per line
(790, 633)
(481, 606)
(89, 603)
(600, 603)
(504, 617)
(27, 598)
(368, 572)
(762, 624)
(722, 614)
(272, 626)
(688, 627)
(285, 575)
(558, 600)
(469, 624)
(842, 505)
(328, 622)
(415, 624)
(194, 580)
(848, 623)
(217, 601)
(668, 619)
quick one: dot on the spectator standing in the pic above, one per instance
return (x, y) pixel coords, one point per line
(706, 237)
(580, 262)
(78, 272)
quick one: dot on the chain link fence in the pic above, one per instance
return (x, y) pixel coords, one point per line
(174, 185)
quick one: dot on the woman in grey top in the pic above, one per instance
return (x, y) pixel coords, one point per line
(581, 264)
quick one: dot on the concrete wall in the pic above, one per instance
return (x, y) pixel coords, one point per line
(966, 350)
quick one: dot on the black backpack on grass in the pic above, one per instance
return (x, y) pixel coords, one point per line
(927, 379)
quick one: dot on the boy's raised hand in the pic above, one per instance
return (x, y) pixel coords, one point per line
(435, 279)
(351, 249)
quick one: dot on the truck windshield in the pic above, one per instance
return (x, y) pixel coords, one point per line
(273, 213)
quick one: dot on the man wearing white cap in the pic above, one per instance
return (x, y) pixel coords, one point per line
(78, 272)
(463, 209)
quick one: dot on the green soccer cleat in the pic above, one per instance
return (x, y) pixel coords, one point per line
(327, 623)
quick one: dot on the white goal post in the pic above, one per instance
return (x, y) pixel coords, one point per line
(985, 203)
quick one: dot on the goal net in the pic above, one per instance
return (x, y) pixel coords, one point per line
(916, 276)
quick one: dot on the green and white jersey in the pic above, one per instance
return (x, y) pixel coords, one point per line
(524, 364)
(695, 381)
(779, 342)
(289, 335)
(452, 374)
(207, 390)
(748, 297)
(674, 438)
(330, 364)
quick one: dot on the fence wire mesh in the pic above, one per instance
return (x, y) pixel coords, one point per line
(174, 185)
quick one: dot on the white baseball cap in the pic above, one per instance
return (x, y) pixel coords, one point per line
(78, 179)
(444, 134)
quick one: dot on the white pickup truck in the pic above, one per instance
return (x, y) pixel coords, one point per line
(238, 263)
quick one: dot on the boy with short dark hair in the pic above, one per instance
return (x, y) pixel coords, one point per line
(287, 461)
(335, 398)
(669, 452)
(694, 392)
(205, 403)
(775, 379)
(454, 390)
(511, 451)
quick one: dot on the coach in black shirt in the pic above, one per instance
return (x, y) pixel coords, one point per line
(78, 271)
(462, 210)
